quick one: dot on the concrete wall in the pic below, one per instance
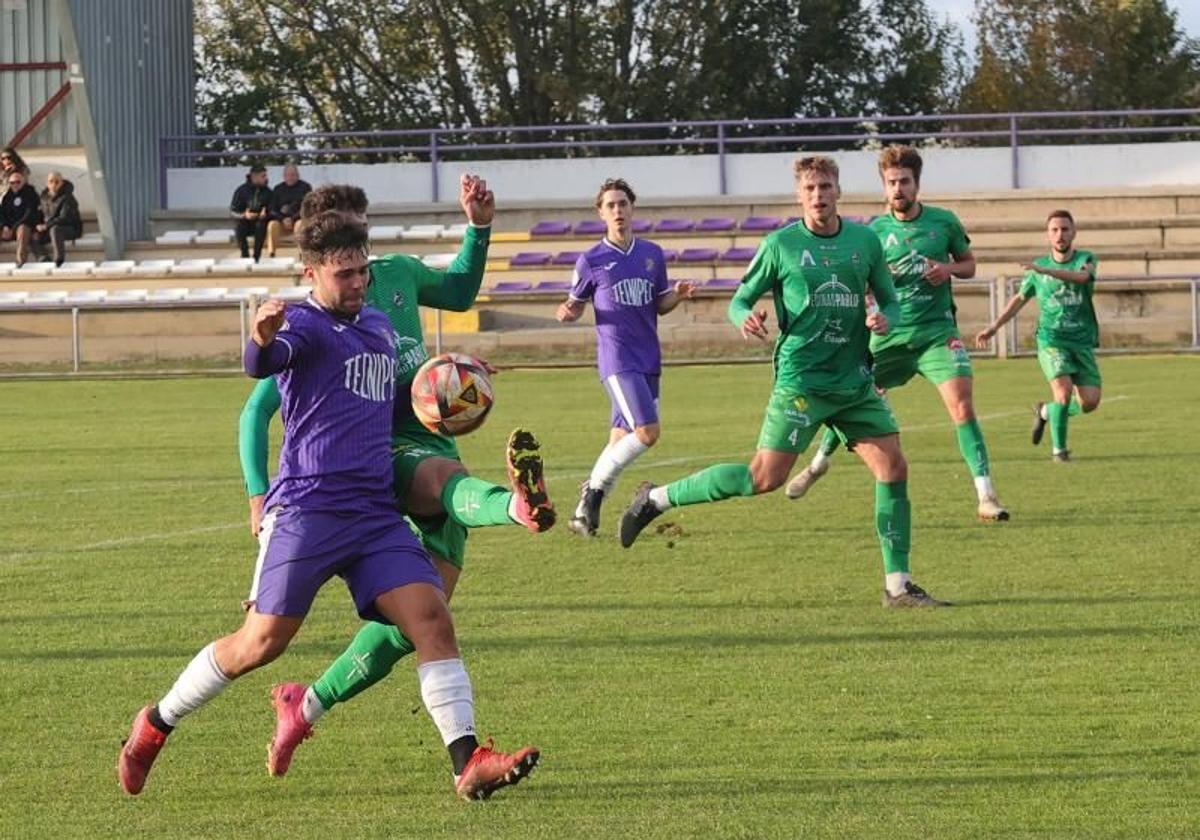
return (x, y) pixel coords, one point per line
(684, 176)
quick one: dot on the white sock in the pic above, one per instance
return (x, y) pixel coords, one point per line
(984, 488)
(819, 461)
(658, 498)
(446, 690)
(613, 460)
(201, 681)
(894, 582)
(311, 707)
(1042, 412)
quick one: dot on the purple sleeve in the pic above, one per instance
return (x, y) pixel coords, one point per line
(583, 286)
(661, 284)
(261, 362)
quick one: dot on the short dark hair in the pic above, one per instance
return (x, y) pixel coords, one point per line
(342, 197)
(615, 184)
(901, 157)
(257, 168)
(1061, 214)
(329, 233)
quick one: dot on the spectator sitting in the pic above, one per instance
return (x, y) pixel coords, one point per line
(60, 218)
(19, 213)
(10, 161)
(250, 206)
(285, 206)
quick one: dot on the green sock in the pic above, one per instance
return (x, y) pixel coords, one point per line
(972, 447)
(829, 442)
(1057, 414)
(475, 503)
(722, 481)
(893, 524)
(371, 656)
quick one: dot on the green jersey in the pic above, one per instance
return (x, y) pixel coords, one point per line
(819, 284)
(399, 285)
(935, 234)
(1067, 318)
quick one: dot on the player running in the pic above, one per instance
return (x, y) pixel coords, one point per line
(431, 484)
(1064, 281)
(925, 247)
(331, 512)
(818, 271)
(625, 278)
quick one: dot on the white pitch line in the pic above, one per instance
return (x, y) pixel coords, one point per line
(124, 541)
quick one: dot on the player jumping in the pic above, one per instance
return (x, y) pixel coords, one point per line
(925, 247)
(331, 512)
(819, 271)
(625, 278)
(1063, 281)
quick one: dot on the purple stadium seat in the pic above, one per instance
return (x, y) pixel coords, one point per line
(674, 225)
(566, 257)
(858, 220)
(509, 287)
(716, 225)
(642, 226)
(723, 283)
(545, 228)
(591, 227)
(739, 255)
(791, 220)
(527, 258)
(552, 287)
(762, 224)
(698, 255)
(670, 254)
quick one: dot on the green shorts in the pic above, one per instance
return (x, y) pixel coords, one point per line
(441, 535)
(937, 353)
(793, 418)
(1079, 363)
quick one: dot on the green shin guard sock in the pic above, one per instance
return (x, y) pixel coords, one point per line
(1074, 407)
(371, 656)
(723, 481)
(893, 524)
(829, 442)
(475, 503)
(1057, 414)
(972, 447)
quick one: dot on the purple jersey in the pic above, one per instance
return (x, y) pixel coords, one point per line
(337, 381)
(624, 288)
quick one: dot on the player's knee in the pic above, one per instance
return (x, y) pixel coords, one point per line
(648, 435)
(1089, 403)
(766, 479)
(254, 650)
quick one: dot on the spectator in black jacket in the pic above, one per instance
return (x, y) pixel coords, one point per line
(19, 214)
(60, 218)
(250, 206)
(285, 206)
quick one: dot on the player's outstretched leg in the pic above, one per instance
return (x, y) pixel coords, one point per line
(530, 503)
(721, 481)
(488, 770)
(139, 750)
(819, 465)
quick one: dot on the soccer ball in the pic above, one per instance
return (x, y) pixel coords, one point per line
(452, 394)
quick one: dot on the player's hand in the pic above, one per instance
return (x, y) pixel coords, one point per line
(268, 321)
(685, 289)
(568, 311)
(877, 323)
(256, 513)
(478, 202)
(755, 325)
(248, 214)
(936, 273)
(983, 337)
(1028, 266)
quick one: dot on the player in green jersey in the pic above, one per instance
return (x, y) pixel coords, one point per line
(819, 271)
(1063, 281)
(925, 247)
(430, 482)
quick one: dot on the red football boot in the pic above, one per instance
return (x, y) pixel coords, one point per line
(487, 770)
(138, 752)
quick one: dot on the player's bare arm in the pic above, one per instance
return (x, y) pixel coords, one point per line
(569, 310)
(1010, 310)
(681, 291)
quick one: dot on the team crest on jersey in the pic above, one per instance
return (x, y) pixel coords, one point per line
(649, 264)
(800, 403)
(854, 258)
(398, 299)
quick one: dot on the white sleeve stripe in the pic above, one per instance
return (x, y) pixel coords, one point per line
(288, 344)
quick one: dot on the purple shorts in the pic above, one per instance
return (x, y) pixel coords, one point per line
(300, 550)
(634, 398)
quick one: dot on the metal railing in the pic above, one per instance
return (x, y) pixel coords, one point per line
(433, 145)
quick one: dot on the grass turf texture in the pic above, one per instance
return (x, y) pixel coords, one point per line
(743, 683)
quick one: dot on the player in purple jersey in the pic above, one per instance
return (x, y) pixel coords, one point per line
(331, 512)
(626, 280)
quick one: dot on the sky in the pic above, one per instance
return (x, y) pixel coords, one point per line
(960, 12)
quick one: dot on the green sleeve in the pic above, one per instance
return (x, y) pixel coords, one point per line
(253, 434)
(1091, 265)
(1028, 286)
(456, 288)
(960, 243)
(760, 277)
(880, 282)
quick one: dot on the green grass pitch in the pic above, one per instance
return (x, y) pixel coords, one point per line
(739, 679)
